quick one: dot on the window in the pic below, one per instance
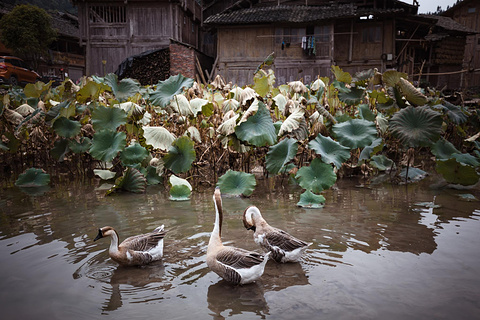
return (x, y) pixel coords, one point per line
(108, 14)
(371, 34)
(472, 10)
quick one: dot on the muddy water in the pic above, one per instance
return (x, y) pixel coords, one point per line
(384, 252)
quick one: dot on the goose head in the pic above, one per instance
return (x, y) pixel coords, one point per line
(104, 232)
(249, 217)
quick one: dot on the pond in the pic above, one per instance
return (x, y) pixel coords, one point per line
(379, 252)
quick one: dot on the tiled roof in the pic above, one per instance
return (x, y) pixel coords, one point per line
(295, 14)
(448, 24)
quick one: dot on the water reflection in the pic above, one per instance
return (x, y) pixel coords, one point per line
(225, 300)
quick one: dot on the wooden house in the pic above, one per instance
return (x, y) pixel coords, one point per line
(308, 37)
(467, 13)
(113, 30)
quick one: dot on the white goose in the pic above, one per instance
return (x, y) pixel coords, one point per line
(137, 250)
(282, 246)
(235, 265)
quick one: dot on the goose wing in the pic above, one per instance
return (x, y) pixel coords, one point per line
(283, 240)
(143, 242)
(239, 258)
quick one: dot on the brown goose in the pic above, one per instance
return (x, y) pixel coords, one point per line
(137, 250)
(235, 265)
(282, 246)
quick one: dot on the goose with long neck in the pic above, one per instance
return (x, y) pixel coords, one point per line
(235, 265)
(137, 250)
(282, 246)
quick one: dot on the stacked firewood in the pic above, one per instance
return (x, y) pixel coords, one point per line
(148, 67)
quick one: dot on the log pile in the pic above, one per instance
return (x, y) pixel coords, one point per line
(148, 67)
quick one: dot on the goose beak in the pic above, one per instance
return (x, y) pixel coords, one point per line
(99, 235)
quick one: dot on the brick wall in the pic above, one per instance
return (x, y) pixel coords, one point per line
(182, 60)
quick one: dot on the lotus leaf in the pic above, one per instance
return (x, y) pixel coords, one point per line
(181, 105)
(106, 144)
(228, 126)
(308, 199)
(108, 118)
(392, 77)
(366, 113)
(455, 113)
(280, 154)
(24, 110)
(90, 91)
(381, 162)
(237, 183)
(237, 93)
(414, 174)
(35, 90)
(66, 128)
(33, 178)
(60, 149)
(167, 89)
(180, 155)
(104, 174)
(280, 102)
(133, 154)
(465, 158)
(330, 150)
(442, 149)
(361, 78)
(355, 133)
(194, 134)
(372, 149)
(122, 89)
(132, 180)
(158, 137)
(152, 176)
(177, 181)
(413, 95)
(247, 95)
(230, 104)
(341, 75)
(258, 130)
(262, 84)
(317, 177)
(179, 193)
(416, 127)
(353, 97)
(317, 85)
(197, 104)
(292, 122)
(456, 172)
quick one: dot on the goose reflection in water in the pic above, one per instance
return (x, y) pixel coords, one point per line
(222, 296)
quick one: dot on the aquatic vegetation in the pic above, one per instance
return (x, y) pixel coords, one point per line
(219, 133)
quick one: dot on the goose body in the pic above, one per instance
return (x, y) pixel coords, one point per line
(282, 246)
(136, 250)
(235, 265)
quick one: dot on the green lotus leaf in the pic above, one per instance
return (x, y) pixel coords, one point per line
(91, 91)
(456, 172)
(292, 122)
(412, 94)
(180, 155)
(179, 193)
(280, 154)
(32, 178)
(158, 137)
(57, 110)
(416, 127)
(361, 78)
(353, 97)
(258, 130)
(455, 113)
(108, 118)
(106, 144)
(152, 176)
(392, 77)
(60, 149)
(365, 112)
(317, 177)
(381, 162)
(414, 174)
(341, 75)
(375, 147)
(442, 149)
(104, 174)
(340, 86)
(465, 158)
(355, 133)
(66, 128)
(80, 147)
(132, 181)
(133, 154)
(124, 89)
(167, 89)
(177, 181)
(35, 90)
(237, 183)
(330, 150)
(308, 199)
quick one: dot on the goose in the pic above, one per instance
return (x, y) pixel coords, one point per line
(235, 265)
(136, 250)
(282, 246)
